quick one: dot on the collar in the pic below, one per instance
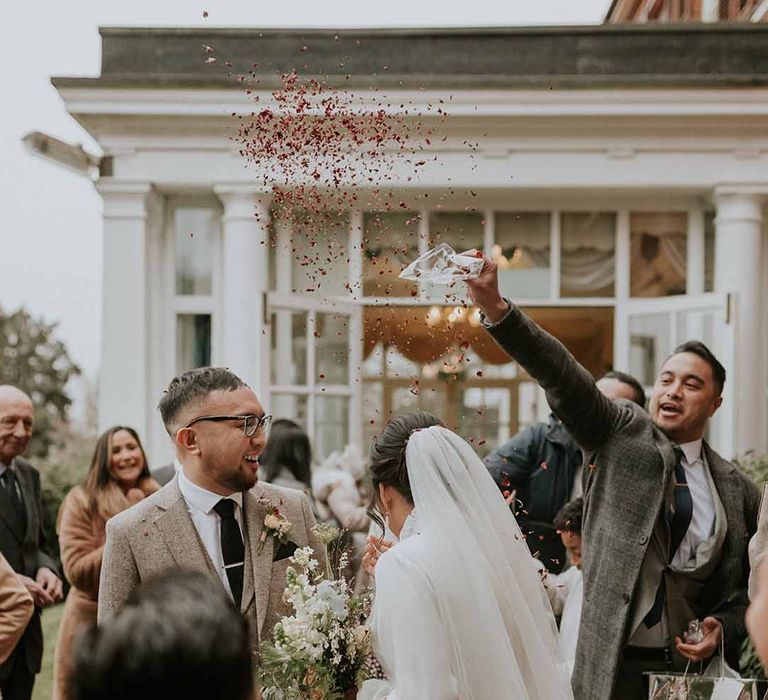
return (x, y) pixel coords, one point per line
(692, 451)
(201, 498)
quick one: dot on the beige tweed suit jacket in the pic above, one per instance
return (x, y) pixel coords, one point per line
(158, 535)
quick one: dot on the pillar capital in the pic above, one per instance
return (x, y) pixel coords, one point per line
(243, 201)
(124, 199)
(740, 202)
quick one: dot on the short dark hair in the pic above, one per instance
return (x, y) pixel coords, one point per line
(568, 518)
(193, 386)
(177, 636)
(696, 347)
(630, 381)
(288, 448)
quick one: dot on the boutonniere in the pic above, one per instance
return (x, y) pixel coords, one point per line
(275, 525)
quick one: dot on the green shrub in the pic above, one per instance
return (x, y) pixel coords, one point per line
(65, 466)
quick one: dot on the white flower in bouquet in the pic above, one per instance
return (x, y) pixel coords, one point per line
(319, 650)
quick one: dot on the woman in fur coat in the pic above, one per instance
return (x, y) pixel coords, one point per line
(117, 479)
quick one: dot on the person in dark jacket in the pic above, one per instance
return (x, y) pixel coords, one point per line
(539, 470)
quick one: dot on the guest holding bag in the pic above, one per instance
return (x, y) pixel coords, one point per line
(118, 478)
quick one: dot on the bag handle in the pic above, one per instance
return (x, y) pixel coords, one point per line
(722, 658)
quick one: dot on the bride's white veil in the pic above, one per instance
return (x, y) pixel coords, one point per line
(498, 619)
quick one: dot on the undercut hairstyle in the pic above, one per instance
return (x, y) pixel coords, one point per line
(569, 517)
(387, 465)
(631, 382)
(177, 636)
(288, 448)
(192, 387)
(698, 348)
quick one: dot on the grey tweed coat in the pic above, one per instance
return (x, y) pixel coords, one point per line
(632, 466)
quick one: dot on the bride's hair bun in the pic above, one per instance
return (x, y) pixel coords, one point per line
(388, 464)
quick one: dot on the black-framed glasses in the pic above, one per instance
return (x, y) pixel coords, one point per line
(252, 423)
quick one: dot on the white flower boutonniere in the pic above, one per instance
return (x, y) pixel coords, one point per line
(275, 525)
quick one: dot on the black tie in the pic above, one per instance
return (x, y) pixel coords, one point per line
(8, 479)
(232, 548)
(678, 526)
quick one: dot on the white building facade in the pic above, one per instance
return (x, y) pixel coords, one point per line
(620, 176)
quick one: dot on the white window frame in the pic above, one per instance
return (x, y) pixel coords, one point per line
(721, 305)
(355, 303)
(185, 303)
(311, 389)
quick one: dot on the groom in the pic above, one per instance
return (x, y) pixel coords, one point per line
(667, 520)
(211, 516)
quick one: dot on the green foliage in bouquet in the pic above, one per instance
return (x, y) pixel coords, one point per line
(318, 652)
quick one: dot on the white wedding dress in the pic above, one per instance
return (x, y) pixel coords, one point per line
(460, 613)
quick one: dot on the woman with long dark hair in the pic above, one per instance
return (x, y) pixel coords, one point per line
(287, 457)
(117, 479)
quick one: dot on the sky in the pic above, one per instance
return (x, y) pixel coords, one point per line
(50, 230)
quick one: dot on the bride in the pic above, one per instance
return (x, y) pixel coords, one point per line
(460, 612)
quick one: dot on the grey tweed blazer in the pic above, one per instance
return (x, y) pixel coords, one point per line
(158, 535)
(631, 469)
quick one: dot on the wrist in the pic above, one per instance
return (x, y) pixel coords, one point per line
(496, 311)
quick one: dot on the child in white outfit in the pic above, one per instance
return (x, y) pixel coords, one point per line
(565, 590)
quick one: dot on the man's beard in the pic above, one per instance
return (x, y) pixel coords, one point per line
(237, 479)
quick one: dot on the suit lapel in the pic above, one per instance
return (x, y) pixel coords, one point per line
(178, 530)
(27, 501)
(726, 482)
(258, 565)
(669, 459)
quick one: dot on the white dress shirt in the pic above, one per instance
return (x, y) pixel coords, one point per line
(703, 521)
(200, 503)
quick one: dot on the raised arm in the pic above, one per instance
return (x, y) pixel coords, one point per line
(571, 391)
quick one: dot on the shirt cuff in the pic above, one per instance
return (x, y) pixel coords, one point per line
(485, 323)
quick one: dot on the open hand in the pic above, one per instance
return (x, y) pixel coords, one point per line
(484, 290)
(713, 631)
(374, 548)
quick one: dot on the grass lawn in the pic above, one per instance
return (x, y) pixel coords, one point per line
(44, 681)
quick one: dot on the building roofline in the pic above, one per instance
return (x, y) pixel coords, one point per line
(592, 56)
(623, 28)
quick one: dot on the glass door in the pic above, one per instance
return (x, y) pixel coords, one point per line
(315, 366)
(648, 330)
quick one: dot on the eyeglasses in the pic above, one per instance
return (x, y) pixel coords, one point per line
(252, 423)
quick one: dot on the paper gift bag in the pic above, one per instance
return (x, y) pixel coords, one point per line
(678, 686)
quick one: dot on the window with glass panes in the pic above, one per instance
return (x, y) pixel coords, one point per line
(583, 261)
(194, 237)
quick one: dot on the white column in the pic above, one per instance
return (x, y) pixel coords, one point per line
(244, 262)
(739, 242)
(124, 376)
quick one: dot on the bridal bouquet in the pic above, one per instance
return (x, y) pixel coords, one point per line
(319, 650)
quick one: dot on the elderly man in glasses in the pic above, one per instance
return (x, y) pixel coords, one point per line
(214, 516)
